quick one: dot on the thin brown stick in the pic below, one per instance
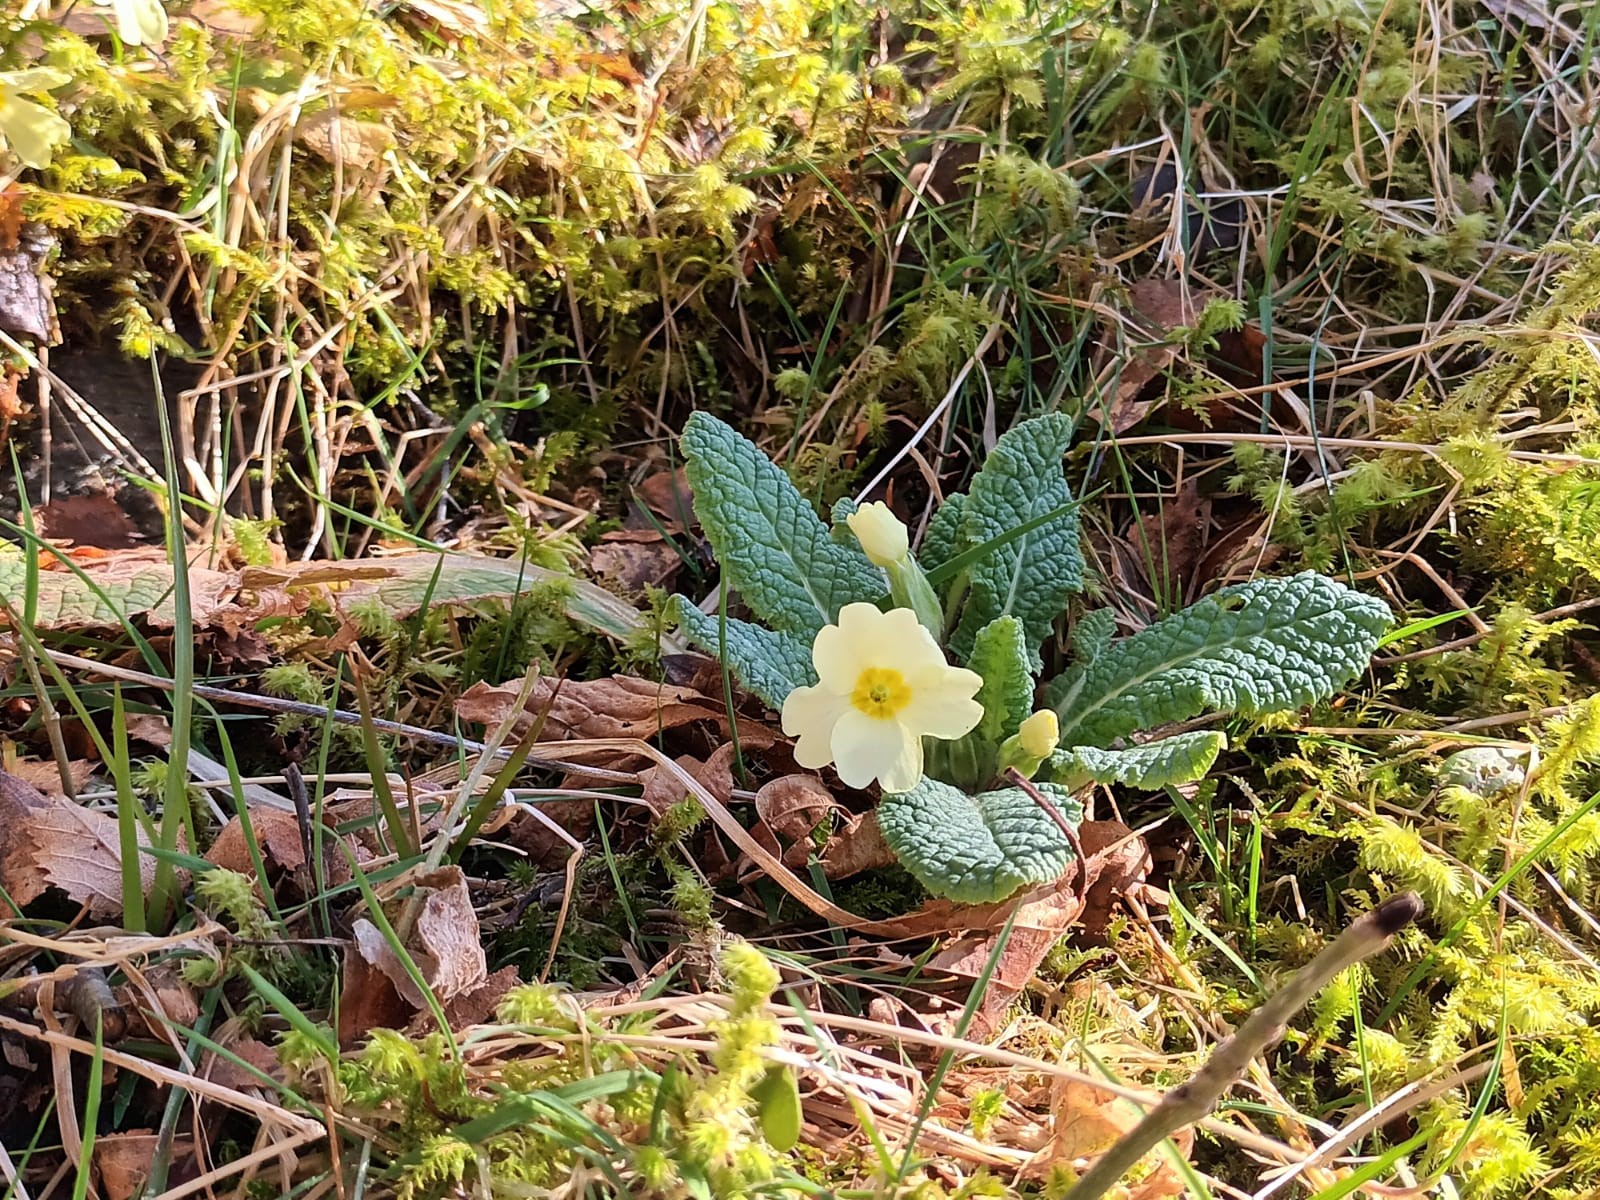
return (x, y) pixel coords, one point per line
(1188, 1102)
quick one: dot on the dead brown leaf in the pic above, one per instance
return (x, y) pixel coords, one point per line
(1158, 306)
(151, 728)
(336, 137)
(1043, 916)
(792, 805)
(277, 835)
(223, 20)
(857, 847)
(1118, 859)
(122, 1160)
(90, 519)
(452, 18)
(368, 999)
(168, 1000)
(225, 1071)
(52, 842)
(619, 707)
(445, 945)
(663, 788)
(1086, 1121)
(667, 495)
(633, 560)
(544, 847)
(46, 776)
(1173, 538)
(470, 1008)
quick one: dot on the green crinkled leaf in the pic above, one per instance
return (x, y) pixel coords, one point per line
(1029, 577)
(1092, 633)
(765, 662)
(943, 540)
(977, 849)
(773, 547)
(1260, 647)
(1182, 758)
(1001, 658)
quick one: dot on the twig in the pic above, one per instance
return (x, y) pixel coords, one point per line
(1017, 779)
(1188, 1102)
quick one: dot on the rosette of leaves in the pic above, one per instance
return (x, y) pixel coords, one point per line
(1005, 559)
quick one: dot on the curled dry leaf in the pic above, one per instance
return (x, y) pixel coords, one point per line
(1086, 1121)
(667, 494)
(337, 137)
(632, 560)
(789, 807)
(1173, 539)
(122, 1161)
(282, 849)
(793, 805)
(544, 847)
(857, 847)
(472, 1007)
(167, 1000)
(663, 788)
(1118, 859)
(445, 945)
(1158, 306)
(277, 835)
(92, 519)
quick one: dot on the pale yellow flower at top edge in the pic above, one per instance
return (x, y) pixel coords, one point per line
(139, 22)
(31, 130)
(1039, 734)
(883, 685)
(882, 535)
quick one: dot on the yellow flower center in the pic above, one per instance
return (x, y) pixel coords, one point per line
(880, 692)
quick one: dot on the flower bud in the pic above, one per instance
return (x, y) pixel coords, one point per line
(1033, 742)
(1040, 733)
(882, 534)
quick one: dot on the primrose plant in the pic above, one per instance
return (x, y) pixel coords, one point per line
(858, 635)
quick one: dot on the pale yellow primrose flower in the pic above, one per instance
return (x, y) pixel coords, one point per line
(883, 685)
(31, 130)
(139, 22)
(1039, 734)
(882, 534)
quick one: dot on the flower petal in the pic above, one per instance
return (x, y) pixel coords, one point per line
(834, 652)
(905, 772)
(861, 632)
(942, 703)
(883, 536)
(810, 714)
(865, 749)
(139, 22)
(34, 79)
(31, 130)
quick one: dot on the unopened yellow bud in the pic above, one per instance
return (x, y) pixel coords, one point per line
(881, 534)
(1040, 733)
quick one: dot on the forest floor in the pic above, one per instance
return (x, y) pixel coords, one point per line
(406, 842)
